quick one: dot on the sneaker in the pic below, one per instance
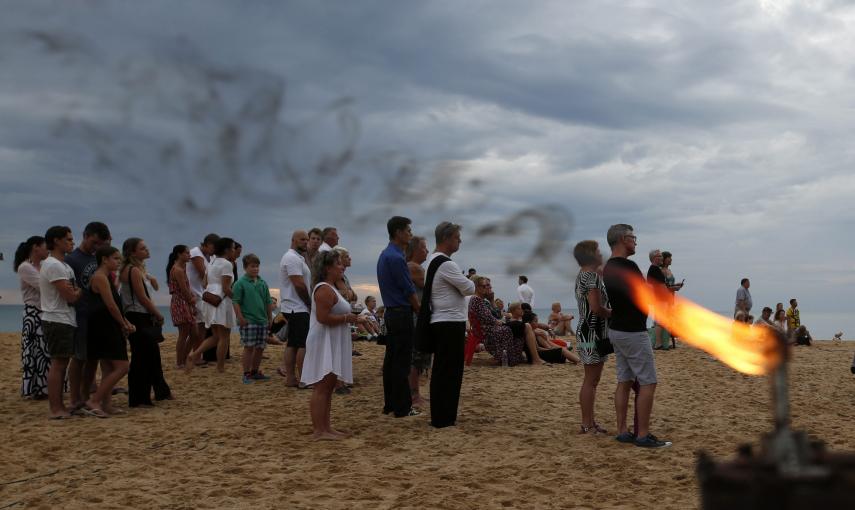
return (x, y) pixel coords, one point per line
(651, 441)
(625, 437)
(258, 376)
(413, 412)
(247, 379)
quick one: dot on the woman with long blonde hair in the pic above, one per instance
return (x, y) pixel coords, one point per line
(146, 370)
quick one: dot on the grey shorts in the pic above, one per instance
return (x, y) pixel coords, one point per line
(59, 338)
(633, 356)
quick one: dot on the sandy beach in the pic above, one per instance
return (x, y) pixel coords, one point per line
(223, 444)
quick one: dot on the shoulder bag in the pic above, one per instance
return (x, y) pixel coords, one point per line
(422, 337)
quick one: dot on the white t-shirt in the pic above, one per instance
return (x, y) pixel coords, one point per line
(216, 270)
(449, 291)
(54, 308)
(526, 294)
(30, 284)
(324, 247)
(371, 315)
(293, 264)
(193, 276)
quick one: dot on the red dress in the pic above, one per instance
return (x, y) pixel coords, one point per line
(182, 312)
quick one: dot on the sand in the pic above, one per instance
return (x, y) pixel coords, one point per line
(223, 444)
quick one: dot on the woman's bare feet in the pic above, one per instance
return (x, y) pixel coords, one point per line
(341, 433)
(189, 363)
(419, 401)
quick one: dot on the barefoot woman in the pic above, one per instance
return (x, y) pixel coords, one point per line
(328, 346)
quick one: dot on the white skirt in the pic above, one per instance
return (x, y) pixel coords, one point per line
(328, 350)
(222, 315)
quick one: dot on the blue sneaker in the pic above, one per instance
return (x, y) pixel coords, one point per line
(247, 379)
(625, 437)
(651, 441)
(258, 376)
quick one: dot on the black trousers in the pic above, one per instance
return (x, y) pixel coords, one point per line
(397, 361)
(447, 373)
(146, 372)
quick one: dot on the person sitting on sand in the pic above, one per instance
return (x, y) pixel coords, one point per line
(371, 328)
(498, 338)
(548, 350)
(561, 323)
(765, 318)
(328, 344)
(794, 325)
(780, 320)
(499, 306)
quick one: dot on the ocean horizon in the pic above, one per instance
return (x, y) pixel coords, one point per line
(822, 325)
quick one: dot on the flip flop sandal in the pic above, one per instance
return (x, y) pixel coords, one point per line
(97, 413)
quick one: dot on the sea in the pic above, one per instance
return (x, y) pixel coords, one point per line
(822, 325)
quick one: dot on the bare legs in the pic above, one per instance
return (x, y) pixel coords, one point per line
(415, 382)
(184, 344)
(588, 393)
(251, 359)
(320, 406)
(531, 342)
(56, 376)
(643, 406)
(293, 364)
(220, 340)
(75, 381)
(101, 400)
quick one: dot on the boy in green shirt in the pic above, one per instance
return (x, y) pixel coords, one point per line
(253, 304)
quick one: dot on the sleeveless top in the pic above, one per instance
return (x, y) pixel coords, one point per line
(130, 303)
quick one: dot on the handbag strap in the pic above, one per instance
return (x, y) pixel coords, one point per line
(131, 281)
(425, 310)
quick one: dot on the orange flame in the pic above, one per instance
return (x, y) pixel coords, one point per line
(753, 350)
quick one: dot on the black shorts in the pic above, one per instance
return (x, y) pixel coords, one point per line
(59, 338)
(298, 329)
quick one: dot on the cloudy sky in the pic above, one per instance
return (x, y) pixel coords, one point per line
(720, 130)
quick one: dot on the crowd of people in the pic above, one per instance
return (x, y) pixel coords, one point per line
(85, 305)
(787, 322)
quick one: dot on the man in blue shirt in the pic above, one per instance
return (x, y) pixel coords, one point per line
(399, 298)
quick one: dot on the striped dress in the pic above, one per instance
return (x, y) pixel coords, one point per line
(591, 326)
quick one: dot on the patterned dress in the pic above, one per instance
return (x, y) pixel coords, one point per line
(591, 326)
(35, 360)
(497, 337)
(182, 312)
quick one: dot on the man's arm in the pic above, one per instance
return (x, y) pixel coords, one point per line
(417, 274)
(300, 286)
(400, 274)
(67, 291)
(451, 271)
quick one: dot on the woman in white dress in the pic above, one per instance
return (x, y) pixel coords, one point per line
(328, 346)
(220, 317)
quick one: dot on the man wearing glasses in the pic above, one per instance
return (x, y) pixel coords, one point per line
(628, 333)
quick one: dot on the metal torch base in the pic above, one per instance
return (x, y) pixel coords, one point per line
(790, 473)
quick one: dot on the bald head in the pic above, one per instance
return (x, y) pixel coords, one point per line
(299, 241)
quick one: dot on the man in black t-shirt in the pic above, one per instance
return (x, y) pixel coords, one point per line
(628, 333)
(81, 372)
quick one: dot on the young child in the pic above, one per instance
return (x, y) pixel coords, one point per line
(253, 304)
